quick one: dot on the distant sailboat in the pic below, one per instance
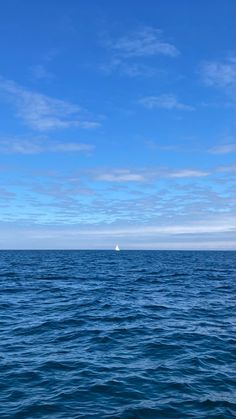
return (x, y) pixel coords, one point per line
(117, 248)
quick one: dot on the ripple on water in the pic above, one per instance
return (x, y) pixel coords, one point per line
(95, 334)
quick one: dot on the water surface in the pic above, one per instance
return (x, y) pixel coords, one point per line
(104, 334)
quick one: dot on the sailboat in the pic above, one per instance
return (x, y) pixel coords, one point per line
(117, 248)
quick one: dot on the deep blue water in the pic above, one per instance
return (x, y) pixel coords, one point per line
(104, 334)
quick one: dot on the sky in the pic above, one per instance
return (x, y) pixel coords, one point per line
(117, 124)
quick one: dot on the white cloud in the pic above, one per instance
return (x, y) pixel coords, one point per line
(6, 195)
(165, 101)
(129, 52)
(199, 228)
(70, 147)
(215, 234)
(223, 149)
(146, 175)
(226, 169)
(145, 42)
(128, 68)
(38, 145)
(120, 175)
(39, 72)
(187, 173)
(42, 112)
(89, 124)
(152, 145)
(219, 74)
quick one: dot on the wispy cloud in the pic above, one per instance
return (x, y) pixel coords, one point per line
(219, 233)
(219, 74)
(5, 194)
(201, 228)
(42, 112)
(129, 52)
(120, 175)
(165, 101)
(146, 175)
(41, 145)
(40, 72)
(226, 169)
(187, 173)
(145, 42)
(128, 68)
(223, 149)
(153, 145)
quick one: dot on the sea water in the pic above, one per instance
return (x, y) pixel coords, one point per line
(105, 334)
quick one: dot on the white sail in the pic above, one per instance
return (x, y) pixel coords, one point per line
(117, 248)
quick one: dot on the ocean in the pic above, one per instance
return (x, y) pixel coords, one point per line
(129, 334)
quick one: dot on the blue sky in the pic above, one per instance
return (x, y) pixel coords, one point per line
(117, 124)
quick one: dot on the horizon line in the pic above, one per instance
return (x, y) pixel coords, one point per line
(122, 250)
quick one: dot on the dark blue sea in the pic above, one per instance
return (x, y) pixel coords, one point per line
(105, 334)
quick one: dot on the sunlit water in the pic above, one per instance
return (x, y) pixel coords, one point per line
(105, 334)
